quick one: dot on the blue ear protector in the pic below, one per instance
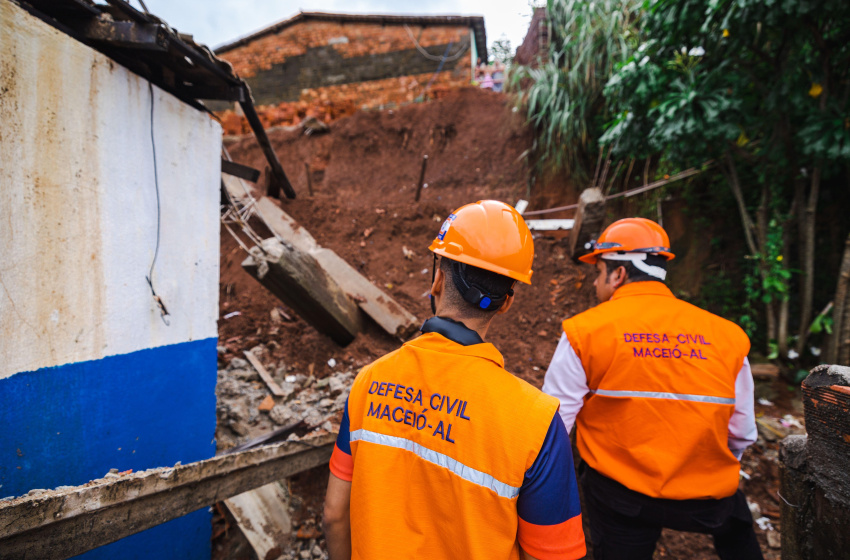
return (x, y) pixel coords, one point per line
(475, 294)
(470, 293)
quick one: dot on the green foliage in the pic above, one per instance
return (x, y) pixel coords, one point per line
(752, 293)
(758, 85)
(774, 273)
(564, 102)
(822, 323)
(766, 77)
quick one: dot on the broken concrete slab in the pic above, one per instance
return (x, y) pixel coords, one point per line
(300, 281)
(590, 216)
(263, 517)
(374, 302)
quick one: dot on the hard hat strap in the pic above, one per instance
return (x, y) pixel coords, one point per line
(433, 275)
(637, 259)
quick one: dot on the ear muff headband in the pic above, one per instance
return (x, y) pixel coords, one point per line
(637, 259)
(473, 293)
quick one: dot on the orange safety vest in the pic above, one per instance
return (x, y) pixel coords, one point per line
(661, 374)
(441, 439)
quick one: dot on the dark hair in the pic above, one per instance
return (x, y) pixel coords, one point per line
(488, 282)
(635, 274)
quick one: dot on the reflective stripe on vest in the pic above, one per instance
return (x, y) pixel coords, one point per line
(452, 465)
(662, 395)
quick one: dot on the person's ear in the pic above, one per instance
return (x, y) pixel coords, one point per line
(619, 277)
(506, 305)
(437, 286)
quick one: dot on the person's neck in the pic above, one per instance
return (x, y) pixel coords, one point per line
(478, 325)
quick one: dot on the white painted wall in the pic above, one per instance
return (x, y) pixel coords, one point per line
(78, 211)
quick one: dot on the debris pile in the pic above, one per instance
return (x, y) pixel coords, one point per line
(246, 408)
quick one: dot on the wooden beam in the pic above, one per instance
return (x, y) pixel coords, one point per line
(213, 92)
(588, 221)
(270, 383)
(239, 170)
(128, 34)
(64, 523)
(278, 180)
(298, 280)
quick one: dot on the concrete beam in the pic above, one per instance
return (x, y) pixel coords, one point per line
(373, 301)
(590, 216)
(297, 278)
(68, 522)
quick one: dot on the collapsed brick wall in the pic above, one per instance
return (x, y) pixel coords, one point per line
(329, 69)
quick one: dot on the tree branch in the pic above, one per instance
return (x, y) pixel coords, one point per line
(727, 166)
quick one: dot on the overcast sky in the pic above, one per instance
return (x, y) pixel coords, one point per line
(215, 22)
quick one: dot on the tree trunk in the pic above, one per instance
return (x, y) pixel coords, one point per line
(731, 174)
(807, 260)
(839, 350)
(773, 321)
(755, 244)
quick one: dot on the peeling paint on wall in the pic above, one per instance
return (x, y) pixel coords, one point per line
(78, 211)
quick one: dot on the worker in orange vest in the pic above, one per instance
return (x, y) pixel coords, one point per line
(442, 453)
(661, 394)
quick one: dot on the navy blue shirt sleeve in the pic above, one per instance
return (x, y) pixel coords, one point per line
(549, 492)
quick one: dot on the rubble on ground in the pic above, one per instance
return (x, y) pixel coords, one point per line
(246, 409)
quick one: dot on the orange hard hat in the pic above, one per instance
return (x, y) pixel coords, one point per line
(488, 234)
(631, 235)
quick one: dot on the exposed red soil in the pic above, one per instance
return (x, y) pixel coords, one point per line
(364, 179)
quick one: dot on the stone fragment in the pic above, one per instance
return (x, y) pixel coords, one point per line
(238, 363)
(245, 374)
(339, 402)
(282, 415)
(774, 539)
(267, 404)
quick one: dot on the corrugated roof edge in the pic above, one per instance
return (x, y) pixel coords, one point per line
(475, 22)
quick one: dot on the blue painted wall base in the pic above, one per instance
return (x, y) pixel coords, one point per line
(69, 424)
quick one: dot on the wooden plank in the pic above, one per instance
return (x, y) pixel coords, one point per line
(267, 378)
(64, 523)
(239, 170)
(588, 221)
(277, 180)
(298, 280)
(263, 517)
(128, 34)
(376, 303)
(550, 225)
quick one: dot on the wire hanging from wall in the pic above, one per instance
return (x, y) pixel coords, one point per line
(430, 56)
(161, 304)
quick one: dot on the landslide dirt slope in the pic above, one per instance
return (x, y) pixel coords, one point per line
(364, 175)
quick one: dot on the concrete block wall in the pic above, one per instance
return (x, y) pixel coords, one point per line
(331, 69)
(92, 378)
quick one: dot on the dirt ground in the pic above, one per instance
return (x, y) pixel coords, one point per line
(364, 173)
